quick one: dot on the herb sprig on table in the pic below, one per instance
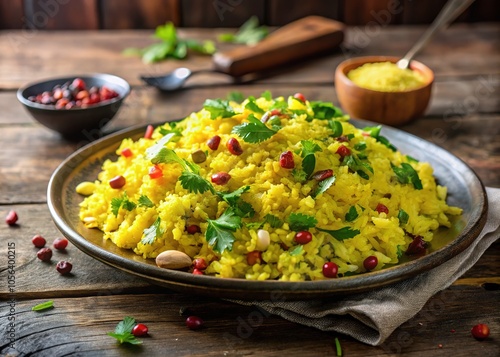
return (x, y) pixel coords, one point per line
(250, 33)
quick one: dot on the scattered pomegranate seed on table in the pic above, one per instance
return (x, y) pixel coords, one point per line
(44, 254)
(64, 267)
(38, 241)
(480, 331)
(194, 322)
(140, 330)
(11, 218)
(60, 243)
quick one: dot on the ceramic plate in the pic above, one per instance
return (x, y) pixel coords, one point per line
(464, 188)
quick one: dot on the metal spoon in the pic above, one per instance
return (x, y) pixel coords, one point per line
(174, 80)
(450, 12)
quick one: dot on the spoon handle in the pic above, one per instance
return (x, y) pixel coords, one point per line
(450, 12)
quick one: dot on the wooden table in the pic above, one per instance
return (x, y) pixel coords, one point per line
(464, 118)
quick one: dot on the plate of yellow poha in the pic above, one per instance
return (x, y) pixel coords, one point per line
(240, 200)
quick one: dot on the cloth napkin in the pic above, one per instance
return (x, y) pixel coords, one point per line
(371, 317)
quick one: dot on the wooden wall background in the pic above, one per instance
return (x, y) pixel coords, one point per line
(137, 14)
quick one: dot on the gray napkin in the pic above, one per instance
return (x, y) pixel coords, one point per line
(371, 317)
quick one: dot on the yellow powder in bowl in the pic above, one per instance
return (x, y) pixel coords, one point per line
(385, 77)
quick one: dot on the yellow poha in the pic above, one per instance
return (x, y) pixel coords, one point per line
(307, 188)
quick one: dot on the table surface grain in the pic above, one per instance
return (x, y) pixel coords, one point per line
(463, 117)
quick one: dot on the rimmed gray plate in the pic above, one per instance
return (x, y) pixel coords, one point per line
(464, 188)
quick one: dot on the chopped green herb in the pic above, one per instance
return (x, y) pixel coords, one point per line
(324, 185)
(407, 174)
(299, 175)
(336, 127)
(338, 348)
(360, 146)
(280, 104)
(153, 232)
(403, 216)
(251, 105)
(219, 231)
(308, 164)
(232, 197)
(254, 131)
(297, 250)
(301, 222)
(43, 306)
(325, 110)
(411, 159)
(144, 201)
(218, 108)
(273, 221)
(358, 166)
(193, 182)
(236, 96)
(399, 252)
(123, 331)
(352, 214)
(153, 151)
(375, 133)
(342, 233)
(250, 33)
(121, 202)
(267, 95)
(173, 130)
(309, 147)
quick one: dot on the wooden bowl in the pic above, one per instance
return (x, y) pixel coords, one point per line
(391, 108)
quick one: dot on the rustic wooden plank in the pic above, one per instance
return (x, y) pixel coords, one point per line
(374, 13)
(281, 12)
(136, 14)
(60, 15)
(231, 330)
(424, 12)
(220, 13)
(11, 14)
(483, 11)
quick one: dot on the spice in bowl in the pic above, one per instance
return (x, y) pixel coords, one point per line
(385, 77)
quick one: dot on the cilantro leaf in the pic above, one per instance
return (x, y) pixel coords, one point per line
(43, 306)
(119, 202)
(218, 108)
(251, 105)
(325, 110)
(301, 222)
(273, 221)
(342, 233)
(232, 197)
(375, 133)
(155, 150)
(267, 95)
(299, 175)
(411, 159)
(144, 201)
(297, 250)
(219, 231)
(250, 33)
(254, 131)
(358, 166)
(153, 232)
(123, 331)
(324, 185)
(403, 216)
(205, 47)
(407, 174)
(352, 214)
(309, 147)
(360, 146)
(195, 183)
(235, 96)
(336, 127)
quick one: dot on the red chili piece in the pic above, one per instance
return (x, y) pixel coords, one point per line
(343, 151)
(140, 330)
(38, 241)
(254, 257)
(322, 175)
(44, 254)
(417, 246)
(370, 262)
(382, 208)
(149, 132)
(126, 152)
(194, 322)
(155, 172)
(117, 182)
(300, 97)
(60, 243)
(303, 237)
(11, 218)
(286, 160)
(213, 142)
(221, 178)
(480, 331)
(200, 264)
(197, 272)
(64, 267)
(330, 270)
(193, 228)
(234, 147)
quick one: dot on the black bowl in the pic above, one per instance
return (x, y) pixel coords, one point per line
(75, 122)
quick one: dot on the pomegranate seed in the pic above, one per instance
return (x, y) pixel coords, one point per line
(234, 147)
(117, 182)
(254, 257)
(149, 132)
(382, 208)
(370, 262)
(44, 254)
(126, 152)
(480, 331)
(155, 172)
(11, 218)
(38, 241)
(417, 246)
(213, 142)
(197, 272)
(60, 243)
(200, 264)
(330, 270)
(194, 322)
(220, 178)
(140, 330)
(286, 160)
(303, 237)
(300, 97)
(79, 84)
(322, 175)
(343, 151)
(193, 228)
(64, 267)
